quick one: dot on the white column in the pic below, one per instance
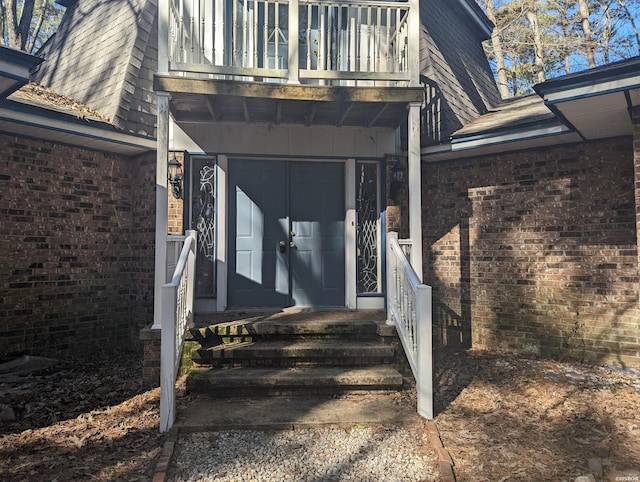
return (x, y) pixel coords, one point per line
(350, 242)
(162, 206)
(222, 217)
(415, 186)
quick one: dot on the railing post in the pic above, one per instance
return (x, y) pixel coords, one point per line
(191, 272)
(167, 359)
(392, 237)
(424, 379)
(294, 40)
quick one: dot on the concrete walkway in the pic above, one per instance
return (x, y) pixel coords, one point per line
(268, 413)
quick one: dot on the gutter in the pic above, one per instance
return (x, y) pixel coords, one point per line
(496, 139)
(609, 78)
(76, 127)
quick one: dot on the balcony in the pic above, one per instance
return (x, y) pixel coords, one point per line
(351, 62)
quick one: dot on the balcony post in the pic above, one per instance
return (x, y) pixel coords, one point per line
(414, 43)
(163, 36)
(294, 39)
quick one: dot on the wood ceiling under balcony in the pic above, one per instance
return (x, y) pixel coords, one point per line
(208, 100)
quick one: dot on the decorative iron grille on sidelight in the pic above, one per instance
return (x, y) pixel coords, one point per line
(368, 208)
(203, 220)
(205, 208)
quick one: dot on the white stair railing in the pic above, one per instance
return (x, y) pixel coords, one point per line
(176, 316)
(409, 309)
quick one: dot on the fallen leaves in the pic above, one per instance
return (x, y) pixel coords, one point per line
(515, 418)
(71, 429)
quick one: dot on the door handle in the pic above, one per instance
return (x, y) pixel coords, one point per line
(292, 244)
(292, 233)
(282, 246)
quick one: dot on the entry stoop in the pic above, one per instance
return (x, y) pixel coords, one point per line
(295, 353)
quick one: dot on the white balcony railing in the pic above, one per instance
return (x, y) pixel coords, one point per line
(177, 315)
(321, 41)
(409, 308)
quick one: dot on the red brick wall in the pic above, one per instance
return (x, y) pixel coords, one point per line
(636, 164)
(77, 248)
(536, 251)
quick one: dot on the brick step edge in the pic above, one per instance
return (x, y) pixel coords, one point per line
(277, 380)
(343, 349)
(274, 328)
(292, 362)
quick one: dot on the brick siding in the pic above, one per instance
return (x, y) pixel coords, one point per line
(536, 251)
(77, 248)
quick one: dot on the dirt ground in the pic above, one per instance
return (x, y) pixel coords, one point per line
(501, 417)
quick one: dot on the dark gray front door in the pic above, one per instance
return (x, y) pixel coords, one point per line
(286, 234)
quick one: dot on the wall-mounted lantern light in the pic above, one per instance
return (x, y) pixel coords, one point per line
(398, 171)
(174, 177)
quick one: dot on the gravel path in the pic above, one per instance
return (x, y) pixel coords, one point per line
(390, 454)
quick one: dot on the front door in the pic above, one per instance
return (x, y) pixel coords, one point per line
(286, 233)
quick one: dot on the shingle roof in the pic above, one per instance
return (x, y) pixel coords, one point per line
(452, 58)
(104, 55)
(524, 111)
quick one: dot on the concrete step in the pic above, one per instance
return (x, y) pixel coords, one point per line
(297, 352)
(214, 333)
(229, 382)
(314, 327)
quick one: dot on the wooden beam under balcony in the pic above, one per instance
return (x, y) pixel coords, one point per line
(319, 93)
(207, 100)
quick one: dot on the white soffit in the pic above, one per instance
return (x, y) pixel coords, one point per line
(598, 117)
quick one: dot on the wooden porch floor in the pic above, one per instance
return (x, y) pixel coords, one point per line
(289, 315)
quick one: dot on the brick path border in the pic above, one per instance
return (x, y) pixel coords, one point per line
(162, 467)
(445, 462)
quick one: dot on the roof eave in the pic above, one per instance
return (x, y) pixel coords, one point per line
(15, 69)
(616, 77)
(494, 142)
(480, 18)
(49, 125)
